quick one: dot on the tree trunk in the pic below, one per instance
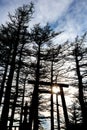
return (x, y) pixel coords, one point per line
(22, 103)
(36, 96)
(81, 97)
(4, 77)
(33, 117)
(16, 94)
(5, 111)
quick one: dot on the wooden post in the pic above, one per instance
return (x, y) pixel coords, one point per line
(64, 108)
(58, 117)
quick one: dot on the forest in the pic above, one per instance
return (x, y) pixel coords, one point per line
(31, 65)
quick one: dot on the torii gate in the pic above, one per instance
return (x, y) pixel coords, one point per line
(62, 98)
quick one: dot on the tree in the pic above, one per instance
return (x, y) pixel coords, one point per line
(76, 54)
(18, 23)
(6, 48)
(40, 37)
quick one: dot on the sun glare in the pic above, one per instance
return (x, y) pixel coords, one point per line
(55, 89)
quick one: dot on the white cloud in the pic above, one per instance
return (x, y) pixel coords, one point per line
(67, 15)
(45, 10)
(10, 6)
(50, 10)
(74, 22)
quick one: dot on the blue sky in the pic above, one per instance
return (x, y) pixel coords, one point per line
(69, 16)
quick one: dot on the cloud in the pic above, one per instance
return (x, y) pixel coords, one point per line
(45, 10)
(10, 6)
(63, 15)
(78, 14)
(73, 22)
(50, 10)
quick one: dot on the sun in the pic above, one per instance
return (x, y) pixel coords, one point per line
(55, 89)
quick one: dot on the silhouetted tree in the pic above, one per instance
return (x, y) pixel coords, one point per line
(76, 54)
(17, 23)
(5, 56)
(40, 37)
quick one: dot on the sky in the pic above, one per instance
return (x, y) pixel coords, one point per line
(69, 16)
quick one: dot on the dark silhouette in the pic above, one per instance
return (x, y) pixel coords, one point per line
(24, 124)
(28, 56)
(40, 36)
(78, 53)
(6, 48)
(17, 28)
